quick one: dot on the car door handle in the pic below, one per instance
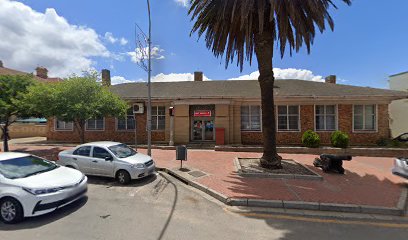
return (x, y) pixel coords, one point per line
(75, 158)
(94, 161)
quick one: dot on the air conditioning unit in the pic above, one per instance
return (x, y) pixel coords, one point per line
(138, 108)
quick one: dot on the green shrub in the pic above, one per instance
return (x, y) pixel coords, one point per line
(311, 139)
(339, 139)
(396, 144)
(383, 142)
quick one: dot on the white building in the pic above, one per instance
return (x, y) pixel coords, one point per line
(399, 108)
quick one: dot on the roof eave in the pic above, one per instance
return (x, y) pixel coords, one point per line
(351, 98)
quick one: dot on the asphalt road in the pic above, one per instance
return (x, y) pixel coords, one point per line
(156, 208)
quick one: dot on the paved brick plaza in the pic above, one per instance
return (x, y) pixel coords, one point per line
(368, 180)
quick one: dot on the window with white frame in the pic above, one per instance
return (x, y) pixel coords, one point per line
(126, 123)
(95, 124)
(63, 126)
(288, 118)
(251, 118)
(158, 118)
(326, 117)
(364, 117)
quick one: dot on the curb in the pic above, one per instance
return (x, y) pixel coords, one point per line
(298, 205)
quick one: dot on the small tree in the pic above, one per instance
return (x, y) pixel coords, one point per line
(76, 100)
(13, 88)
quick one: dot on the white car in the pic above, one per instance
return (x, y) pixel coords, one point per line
(32, 186)
(109, 159)
(401, 167)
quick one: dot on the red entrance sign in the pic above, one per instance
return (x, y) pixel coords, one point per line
(202, 113)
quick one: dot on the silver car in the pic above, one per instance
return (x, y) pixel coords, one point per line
(401, 167)
(108, 159)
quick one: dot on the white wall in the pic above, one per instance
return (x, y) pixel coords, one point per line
(399, 109)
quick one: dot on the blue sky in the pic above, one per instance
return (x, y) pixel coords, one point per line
(369, 42)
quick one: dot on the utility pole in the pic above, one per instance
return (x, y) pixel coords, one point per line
(135, 125)
(149, 97)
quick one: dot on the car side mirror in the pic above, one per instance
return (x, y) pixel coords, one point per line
(108, 158)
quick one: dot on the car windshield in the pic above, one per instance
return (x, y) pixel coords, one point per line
(25, 166)
(122, 151)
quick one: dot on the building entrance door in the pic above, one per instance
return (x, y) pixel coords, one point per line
(197, 130)
(203, 130)
(208, 130)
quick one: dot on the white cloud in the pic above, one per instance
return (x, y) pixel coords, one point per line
(288, 73)
(184, 3)
(119, 80)
(139, 53)
(123, 41)
(110, 38)
(176, 77)
(30, 38)
(161, 77)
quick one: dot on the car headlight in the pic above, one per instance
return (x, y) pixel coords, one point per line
(139, 166)
(41, 191)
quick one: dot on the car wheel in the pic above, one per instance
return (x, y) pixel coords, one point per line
(11, 211)
(123, 177)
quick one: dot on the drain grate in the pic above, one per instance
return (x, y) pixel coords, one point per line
(197, 174)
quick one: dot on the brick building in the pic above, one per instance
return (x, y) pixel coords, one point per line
(28, 127)
(41, 73)
(200, 107)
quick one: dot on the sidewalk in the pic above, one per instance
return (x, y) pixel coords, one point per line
(368, 180)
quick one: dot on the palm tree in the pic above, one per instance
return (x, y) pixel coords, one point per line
(238, 28)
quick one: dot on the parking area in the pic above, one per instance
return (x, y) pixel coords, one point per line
(363, 179)
(160, 207)
(152, 208)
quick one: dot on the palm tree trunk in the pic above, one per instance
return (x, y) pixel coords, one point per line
(264, 53)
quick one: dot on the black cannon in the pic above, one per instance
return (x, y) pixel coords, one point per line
(331, 163)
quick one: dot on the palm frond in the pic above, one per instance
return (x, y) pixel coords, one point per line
(230, 26)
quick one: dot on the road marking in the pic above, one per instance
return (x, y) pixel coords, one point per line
(320, 220)
(133, 193)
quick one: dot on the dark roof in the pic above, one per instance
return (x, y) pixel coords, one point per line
(248, 89)
(9, 71)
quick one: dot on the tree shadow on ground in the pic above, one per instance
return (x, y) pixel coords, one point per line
(111, 182)
(35, 222)
(173, 208)
(44, 152)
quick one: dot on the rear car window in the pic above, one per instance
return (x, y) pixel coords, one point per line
(83, 151)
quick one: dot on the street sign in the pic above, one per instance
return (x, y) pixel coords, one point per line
(202, 113)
